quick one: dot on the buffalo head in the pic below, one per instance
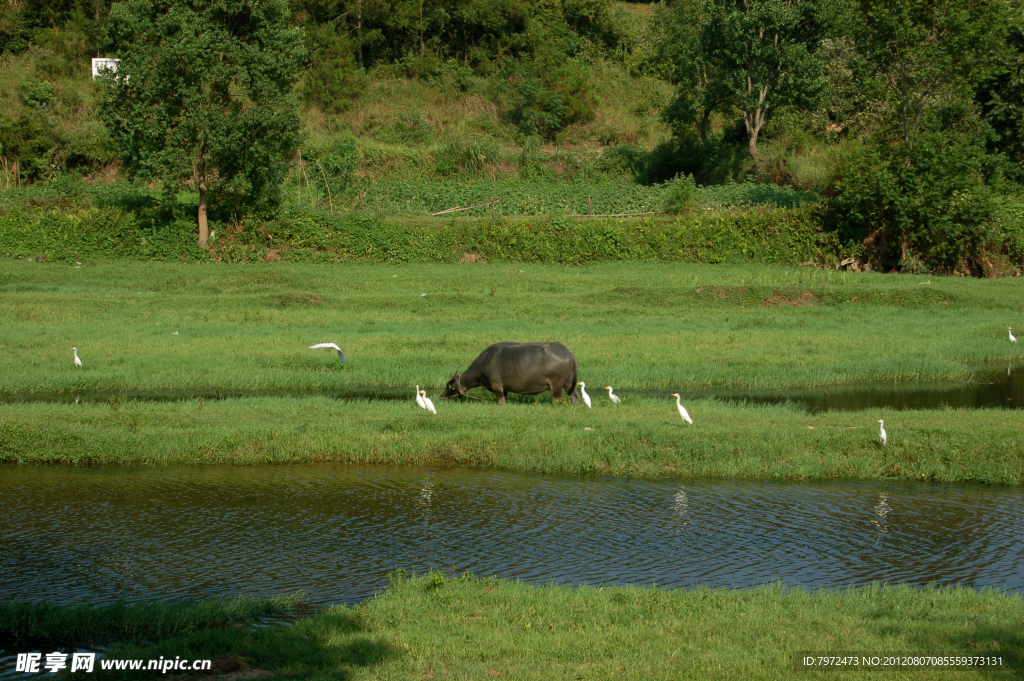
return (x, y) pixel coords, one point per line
(454, 387)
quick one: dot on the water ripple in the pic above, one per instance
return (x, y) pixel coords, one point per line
(333, 531)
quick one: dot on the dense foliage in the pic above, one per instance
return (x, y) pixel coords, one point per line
(905, 120)
(920, 101)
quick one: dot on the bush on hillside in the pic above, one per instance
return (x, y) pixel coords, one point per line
(716, 160)
(333, 78)
(457, 155)
(543, 102)
(37, 94)
(332, 166)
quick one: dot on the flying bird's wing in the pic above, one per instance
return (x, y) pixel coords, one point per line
(332, 346)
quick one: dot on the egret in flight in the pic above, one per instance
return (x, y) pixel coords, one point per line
(611, 396)
(419, 399)
(883, 437)
(78, 362)
(583, 393)
(427, 404)
(331, 346)
(1013, 339)
(682, 410)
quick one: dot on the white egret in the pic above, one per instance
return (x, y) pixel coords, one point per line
(583, 394)
(175, 333)
(419, 399)
(682, 410)
(78, 362)
(429, 406)
(614, 398)
(329, 345)
(1013, 339)
(883, 437)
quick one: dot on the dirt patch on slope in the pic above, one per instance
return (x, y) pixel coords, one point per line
(780, 298)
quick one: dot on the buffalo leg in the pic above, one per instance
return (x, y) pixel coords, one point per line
(556, 393)
(570, 387)
(499, 392)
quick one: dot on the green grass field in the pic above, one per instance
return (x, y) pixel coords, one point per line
(633, 326)
(630, 325)
(640, 437)
(470, 628)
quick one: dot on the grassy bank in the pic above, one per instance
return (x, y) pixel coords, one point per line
(469, 628)
(630, 325)
(642, 437)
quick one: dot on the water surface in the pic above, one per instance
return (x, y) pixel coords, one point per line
(334, 531)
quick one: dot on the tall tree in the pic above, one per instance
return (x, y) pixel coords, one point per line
(203, 97)
(928, 54)
(702, 88)
(761, 54)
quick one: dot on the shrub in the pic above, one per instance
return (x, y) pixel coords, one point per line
(37, 94)
(409, 127)
(682, 192)
(455, 155)
(625, 159)
(332, 167)
(932, 210)
(544, 101)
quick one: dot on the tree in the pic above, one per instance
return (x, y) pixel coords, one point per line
(762, 54)
(1001, 95)
(203, 97)
(702, 88)
(929, 53)
(917, 191)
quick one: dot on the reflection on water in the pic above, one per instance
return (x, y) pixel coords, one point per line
(989, 389)
(681, 507)
(881, 510)
(333, 531)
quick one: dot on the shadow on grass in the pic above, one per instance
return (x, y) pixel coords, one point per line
(236, 634)
(951, 625)
(333, 643)
(1003, 642)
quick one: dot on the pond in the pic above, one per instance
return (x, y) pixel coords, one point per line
(334, 531)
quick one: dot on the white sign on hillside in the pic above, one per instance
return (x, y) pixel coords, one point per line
(103, 64)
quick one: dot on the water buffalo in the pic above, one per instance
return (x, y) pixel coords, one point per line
(524, 368)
